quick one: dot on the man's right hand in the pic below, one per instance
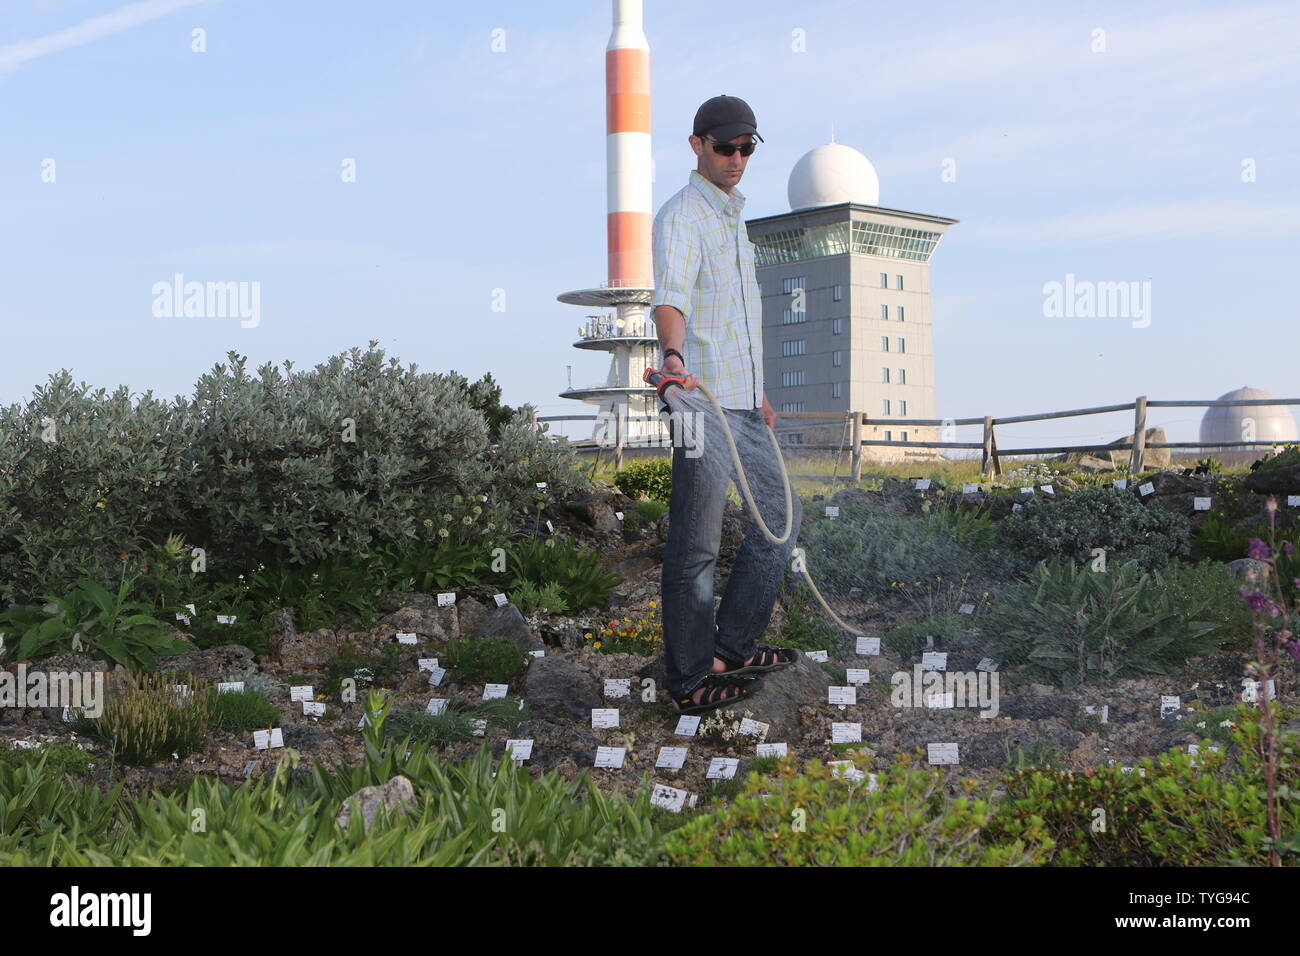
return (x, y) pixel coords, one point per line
(673, 366)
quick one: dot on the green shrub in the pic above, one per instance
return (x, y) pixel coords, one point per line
(89, 619)
(650, 511)
(1073, 525)
(909, 821)
(58, 758)
(577, 575)
(1217, 539)
(385, 666)
(531, 599)
(150, 722)
(908, 639)
(805, 625)
(1176, 815)
(1286, 458)
(237, 712)
(436, 730)
(1070, 625)
(652, 477)
(486, 660)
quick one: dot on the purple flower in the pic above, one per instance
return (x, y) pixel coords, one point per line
(1258, 550)
(1286, 546)
(1294, 648)
(1256, 600)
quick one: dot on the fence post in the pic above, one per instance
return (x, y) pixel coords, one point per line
(857, 446)
(1139, 435)
(986, 463)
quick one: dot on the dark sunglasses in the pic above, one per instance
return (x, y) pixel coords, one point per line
(726, 149)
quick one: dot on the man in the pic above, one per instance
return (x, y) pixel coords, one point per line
(707, 310)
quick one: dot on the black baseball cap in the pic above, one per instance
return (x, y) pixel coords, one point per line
(724, 118)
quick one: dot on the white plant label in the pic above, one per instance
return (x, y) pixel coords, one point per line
(922, 484)
(478, 728)
(1047, 489)
(610, 757)
(969, 488)
(772, 750)
(230, 687)
(519, 750)
(183, 618)
(941, 754)
(268, 739)
(940, 701)
(537, 653)
(550, 527)
(832, 511)
(842, 696)
(446, 598)
(436, 706)
(1120, 483)
(1026, 491)
(226, 618)
(190, 608)
(753, 728)
(427, 664)
(181, 690)
(436, 675)
(618, 687)
(604, 718)
(1016, 506)
(722, 768)
(1146, 488)
(966, 609)
(857, 675)
(407, 637)
(868, 646)
(1293, 501)
(815, 656)
(541, 485)
(1104, 714)
(313, 708)
(671, 758)
(501, 600)
(846, 733)
(687, 725)
(618, 515)
(987, 664)
(300, 693)
(495, 691)
(1169, 705)
(1200, 504)
(670, 798)
(934, 661)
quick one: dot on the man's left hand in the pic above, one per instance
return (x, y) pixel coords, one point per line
(769, 414)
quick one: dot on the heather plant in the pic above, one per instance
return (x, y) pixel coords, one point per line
(1074, 525)
(152, 721)
(1071, 625)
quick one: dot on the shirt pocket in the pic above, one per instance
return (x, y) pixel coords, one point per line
(717, 266)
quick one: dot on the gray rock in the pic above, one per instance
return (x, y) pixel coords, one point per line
(555, 688)
(1151, 457)
(397, 794)
(1275, 481)
(438, 623)
(783, 694)
(210, 665)
(597, 511)
(301, 653)
(1250, 570)
(479, 620)
(1093, 465)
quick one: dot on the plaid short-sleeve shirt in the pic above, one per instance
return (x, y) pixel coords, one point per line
(704, 268)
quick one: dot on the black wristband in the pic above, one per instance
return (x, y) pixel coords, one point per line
(668, 352)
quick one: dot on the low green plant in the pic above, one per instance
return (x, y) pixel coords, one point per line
(237, 712)
(91, 620)
(1075, 524)
(1070, 625)
(383, 666)
(151, 721)
(908, 821)
(436, 730)
(805, 625)
(577, 575)
(650, 511)
(651, 477)
(488, 660)
(1218, 539)
(1286, 458)
(910, 638)
(56, 757)
(531, 599)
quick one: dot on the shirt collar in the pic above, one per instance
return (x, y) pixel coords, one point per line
(720, 201)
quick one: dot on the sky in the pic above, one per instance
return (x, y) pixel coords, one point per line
(401, 171)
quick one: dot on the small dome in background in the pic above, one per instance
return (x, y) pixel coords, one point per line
(1267, 424)
(833, 174)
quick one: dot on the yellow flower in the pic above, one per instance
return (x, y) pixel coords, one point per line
(597, 644)
(652, 603)
(587, 635)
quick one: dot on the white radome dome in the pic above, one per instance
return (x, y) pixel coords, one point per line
(833, 174)
(1269, 424)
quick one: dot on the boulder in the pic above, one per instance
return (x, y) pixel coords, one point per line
(478, 620)
(783, 694)
(301, 653)
(210, 665)
(397, 794)
(555, 688)
(424, 618)
(1151, 457)
(1275, 481)
(597, 510)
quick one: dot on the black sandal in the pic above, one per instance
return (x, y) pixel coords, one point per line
(714, 686)
(767, 658)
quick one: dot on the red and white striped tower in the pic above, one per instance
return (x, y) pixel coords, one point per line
(628, 334)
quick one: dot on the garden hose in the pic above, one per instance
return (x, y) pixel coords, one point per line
(662, 381)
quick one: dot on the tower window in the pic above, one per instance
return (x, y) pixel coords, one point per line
(837, 293)
(884, 280)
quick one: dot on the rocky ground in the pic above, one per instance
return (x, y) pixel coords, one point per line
(562, 686)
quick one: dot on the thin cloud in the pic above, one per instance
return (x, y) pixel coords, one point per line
(120, 20)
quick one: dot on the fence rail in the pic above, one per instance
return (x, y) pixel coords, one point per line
(990, 462)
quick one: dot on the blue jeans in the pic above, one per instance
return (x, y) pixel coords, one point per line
(695, 534)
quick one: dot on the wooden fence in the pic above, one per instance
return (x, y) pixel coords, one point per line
(855, 422)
